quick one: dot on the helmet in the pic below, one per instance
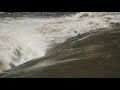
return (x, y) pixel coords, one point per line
(75, 31)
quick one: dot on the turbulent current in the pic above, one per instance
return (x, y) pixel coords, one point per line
(40, 44)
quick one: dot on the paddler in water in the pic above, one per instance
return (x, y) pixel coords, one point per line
(78, 35)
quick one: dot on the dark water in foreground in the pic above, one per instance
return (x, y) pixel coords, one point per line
(95, 56)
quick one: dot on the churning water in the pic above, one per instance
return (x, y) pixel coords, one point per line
(39, 45)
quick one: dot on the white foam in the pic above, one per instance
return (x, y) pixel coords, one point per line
(65, 26)
(19, 42)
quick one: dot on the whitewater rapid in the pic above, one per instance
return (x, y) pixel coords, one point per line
(23, 39)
